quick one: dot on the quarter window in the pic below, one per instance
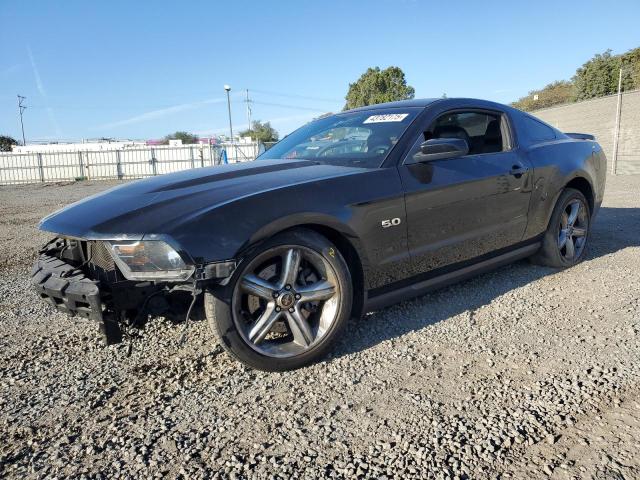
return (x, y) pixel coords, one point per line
(538, 131)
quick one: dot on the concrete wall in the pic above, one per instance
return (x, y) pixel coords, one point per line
(598, 117)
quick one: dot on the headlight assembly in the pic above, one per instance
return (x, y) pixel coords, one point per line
(149, 260)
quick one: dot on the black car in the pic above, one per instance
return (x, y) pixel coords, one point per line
(283, 250)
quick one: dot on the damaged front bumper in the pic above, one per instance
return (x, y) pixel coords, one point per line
(68, 289)
(79, 279)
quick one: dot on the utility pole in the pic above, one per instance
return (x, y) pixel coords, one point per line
(614, 162)
(227, 89)
(248, 109)
(22, 108)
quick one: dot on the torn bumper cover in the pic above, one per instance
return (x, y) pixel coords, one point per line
(80, 278)
(67, 288)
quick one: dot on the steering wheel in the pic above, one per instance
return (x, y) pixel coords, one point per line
(380, 149)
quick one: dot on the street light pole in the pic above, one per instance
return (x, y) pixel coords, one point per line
(21, 109)
(248, 109)
(616, 134)
(227, 89)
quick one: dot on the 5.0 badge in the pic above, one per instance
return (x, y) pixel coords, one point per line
(392, 222)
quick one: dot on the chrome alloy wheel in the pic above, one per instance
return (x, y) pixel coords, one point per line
(572, 234)
(285, 301)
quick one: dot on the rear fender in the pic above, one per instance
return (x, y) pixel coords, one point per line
(555, 165)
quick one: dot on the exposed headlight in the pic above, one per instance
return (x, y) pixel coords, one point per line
(149, 260)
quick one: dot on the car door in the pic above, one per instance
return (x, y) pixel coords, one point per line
(462, 208)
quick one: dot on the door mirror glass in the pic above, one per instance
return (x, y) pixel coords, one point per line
(440, 149)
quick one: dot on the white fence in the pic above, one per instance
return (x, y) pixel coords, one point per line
(124, 163)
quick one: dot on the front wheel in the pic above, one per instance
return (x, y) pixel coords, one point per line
(289, 300)
(565, 240)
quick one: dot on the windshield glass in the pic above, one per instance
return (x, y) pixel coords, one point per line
(362, 138)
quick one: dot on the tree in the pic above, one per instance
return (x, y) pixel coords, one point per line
(186, 137)
(378, 86)
(261, 132)
(555, 93)
(6, 142)
(630, 63)
(597, 77)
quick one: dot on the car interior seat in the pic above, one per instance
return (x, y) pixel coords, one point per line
(451, 131)
(492, 138)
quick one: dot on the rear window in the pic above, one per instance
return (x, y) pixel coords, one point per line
(538, 131)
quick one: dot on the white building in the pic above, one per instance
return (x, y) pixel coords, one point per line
(78, 147)
(98, 145)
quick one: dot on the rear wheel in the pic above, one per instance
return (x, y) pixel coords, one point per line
(289, 300)
(565, 240)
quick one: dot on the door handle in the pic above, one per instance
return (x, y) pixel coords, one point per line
(518, 170)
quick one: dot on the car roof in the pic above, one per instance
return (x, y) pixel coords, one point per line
(425, 102)
(416, 102)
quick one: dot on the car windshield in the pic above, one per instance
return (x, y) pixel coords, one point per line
(358, 138)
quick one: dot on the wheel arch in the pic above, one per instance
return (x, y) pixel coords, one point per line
(583, 185)
(353, 259)
(578, 182)
(546, 198)
(343, 237)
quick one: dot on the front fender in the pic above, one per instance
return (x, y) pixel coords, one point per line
(353, 206)
(303, 218)
(324, 224)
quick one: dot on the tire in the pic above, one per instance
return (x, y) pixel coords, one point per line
(564, 243)
(287, 301)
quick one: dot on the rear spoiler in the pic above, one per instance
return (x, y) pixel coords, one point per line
(581, 136)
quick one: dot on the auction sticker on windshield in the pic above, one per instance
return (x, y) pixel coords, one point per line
(389, 117)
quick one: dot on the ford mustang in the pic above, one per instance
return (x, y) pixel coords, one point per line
(346, 215)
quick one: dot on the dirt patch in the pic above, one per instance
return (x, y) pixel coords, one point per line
(525, 372)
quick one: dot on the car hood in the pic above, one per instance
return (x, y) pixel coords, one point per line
(158, 205)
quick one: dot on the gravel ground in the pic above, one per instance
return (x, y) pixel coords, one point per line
(526, 372)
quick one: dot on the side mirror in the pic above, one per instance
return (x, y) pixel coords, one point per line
(440, 149)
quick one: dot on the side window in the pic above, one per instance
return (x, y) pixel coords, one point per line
(538, 131)
(482, 131)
